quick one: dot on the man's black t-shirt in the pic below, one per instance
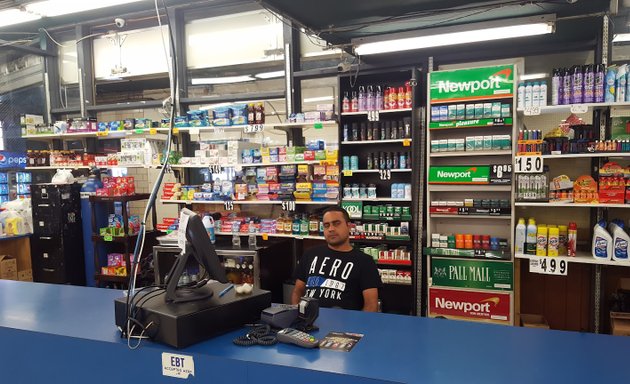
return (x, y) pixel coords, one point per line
(337, 279)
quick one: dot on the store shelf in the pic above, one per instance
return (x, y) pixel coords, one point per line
(471, 153)
(105, 135)
(485, 217)
(586, 155)
(282, 235)
(380, 241)
(377, 218)
(380, 111)
(112, 278)
(469, 188)
(406, 263)
(472, 123)
(473, 99)
(122, 199)
(570, 205)
(549, 109)
(397, 284)
(375, 170)
(282, 163)
(377, 141)
(378, 199)
(504, 255)
(580, 258)
(115, 239)
(246, 202)
(57, 167)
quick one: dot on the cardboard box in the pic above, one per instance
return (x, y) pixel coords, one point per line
(25, 275)
(533, 321)
(8, 268)
(620, 323)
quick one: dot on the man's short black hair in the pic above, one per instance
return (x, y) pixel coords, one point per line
(337, 208)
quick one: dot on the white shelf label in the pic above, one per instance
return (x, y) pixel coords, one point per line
(288, 206)
(254, 128)
(194, 131)
(528, 164)
(531, 111)
(215, 168)
(579, 108)
(179, 366)
(548, 266)
(373, 116)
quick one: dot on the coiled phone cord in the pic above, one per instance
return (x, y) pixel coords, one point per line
(260, 334)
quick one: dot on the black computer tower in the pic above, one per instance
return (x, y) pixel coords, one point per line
(57, 241)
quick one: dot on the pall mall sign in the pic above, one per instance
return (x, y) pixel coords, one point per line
(450, 303)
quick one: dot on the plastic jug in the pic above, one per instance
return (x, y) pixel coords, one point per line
(602, 246)
(621, 241)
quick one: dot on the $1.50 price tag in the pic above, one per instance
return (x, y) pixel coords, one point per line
(528, 164)
(548, 266)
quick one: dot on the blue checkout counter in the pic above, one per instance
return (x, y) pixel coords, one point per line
(56, 334)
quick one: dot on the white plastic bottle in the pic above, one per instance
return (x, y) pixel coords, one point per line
(542, 99)
(521, 96)
(208, 223)
(519, 237)
(535, 94)
(530, 239)
(621, 241)
(529, 89)
(602, 247)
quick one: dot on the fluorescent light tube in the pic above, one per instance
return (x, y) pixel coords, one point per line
(452, 38)
(15, 16)
(269, 75)
(533, 76)
(221, 80)
(621, 37)
(50, 8)
(316, 99)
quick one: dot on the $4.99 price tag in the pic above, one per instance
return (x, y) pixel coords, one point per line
(548, 266)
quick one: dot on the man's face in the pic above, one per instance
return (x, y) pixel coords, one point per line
(336, 229)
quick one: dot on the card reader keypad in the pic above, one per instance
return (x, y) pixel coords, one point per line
(299, 338)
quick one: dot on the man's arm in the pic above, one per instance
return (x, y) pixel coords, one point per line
(298, 291)
(370, 299)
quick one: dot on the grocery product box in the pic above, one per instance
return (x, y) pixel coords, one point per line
(533, 321)
(8, 268)
(620, 323)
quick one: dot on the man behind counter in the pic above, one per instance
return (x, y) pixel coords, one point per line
(337, 274)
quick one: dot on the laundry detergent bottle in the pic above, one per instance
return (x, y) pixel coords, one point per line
(602, 242)
(621, 241)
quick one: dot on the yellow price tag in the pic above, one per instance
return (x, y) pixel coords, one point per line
(175, 131)
(102, 133)
(347, 172)
(406, 143)
(152, 131)
(108, 238)
(265, 236)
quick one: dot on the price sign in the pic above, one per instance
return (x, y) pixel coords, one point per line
(501, 174)
(254, 128)
(407, 143)
(175, 131)
(229, 205)
(216, 168)
(548, 266)
(385, 174)
(288, 206)
(347, 172)
(498, 121)
(108, 238)
(531, 111)
(265, 236)
(579, 108)
(152, 131)
(194, 131)
(373, 116)
(102, 133)
(528, 164)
